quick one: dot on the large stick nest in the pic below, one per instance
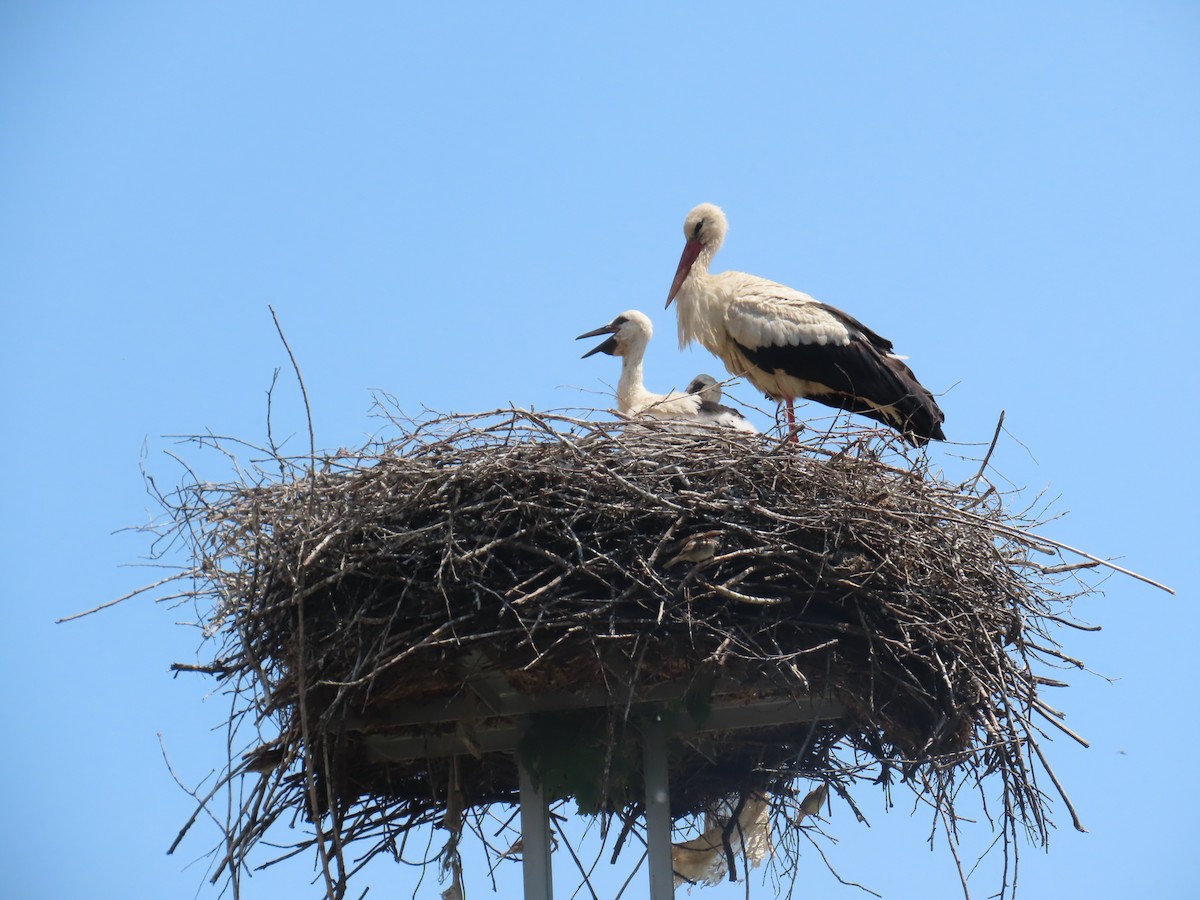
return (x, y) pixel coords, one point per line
(347, 590)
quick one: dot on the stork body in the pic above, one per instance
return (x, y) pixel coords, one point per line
(790, 345)
(708, 389)
(630, 333)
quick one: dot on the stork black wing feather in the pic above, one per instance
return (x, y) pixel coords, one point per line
(711, 408)
(852, 374)
(874, 338)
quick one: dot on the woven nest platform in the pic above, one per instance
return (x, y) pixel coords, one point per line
(388, 618)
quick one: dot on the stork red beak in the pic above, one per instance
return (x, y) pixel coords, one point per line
(690, 251)
(608, 346)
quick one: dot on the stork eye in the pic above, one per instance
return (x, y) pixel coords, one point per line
(619, 320)
(696, 230)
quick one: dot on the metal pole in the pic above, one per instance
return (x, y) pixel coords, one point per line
(658, 810)
(535, 839)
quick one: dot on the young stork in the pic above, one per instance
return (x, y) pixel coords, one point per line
(630, 334)
(788, 344)
(708, 389)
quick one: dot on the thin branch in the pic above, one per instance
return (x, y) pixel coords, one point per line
(312, 440)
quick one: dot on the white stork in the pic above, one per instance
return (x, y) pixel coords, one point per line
(630, 333)
(788, 344)
(708, 389)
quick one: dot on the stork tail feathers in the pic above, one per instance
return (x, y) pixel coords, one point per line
(916, 415)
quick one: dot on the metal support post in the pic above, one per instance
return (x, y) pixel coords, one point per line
(658, 810)
(535, 839)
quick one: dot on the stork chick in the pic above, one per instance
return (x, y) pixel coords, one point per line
(708, 389)
(630, 334)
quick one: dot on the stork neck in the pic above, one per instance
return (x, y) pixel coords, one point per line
(702, 305)
(631, 388)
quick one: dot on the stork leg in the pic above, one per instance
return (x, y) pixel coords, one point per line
(791, 417)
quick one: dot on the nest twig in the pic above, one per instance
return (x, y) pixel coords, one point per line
(569, 557)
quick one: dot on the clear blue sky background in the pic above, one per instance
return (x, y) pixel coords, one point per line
(438, 199)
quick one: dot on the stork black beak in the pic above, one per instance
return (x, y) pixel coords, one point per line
(609, 346)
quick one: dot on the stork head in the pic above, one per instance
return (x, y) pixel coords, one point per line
(704, 229)
(707, 387)
(631, 328)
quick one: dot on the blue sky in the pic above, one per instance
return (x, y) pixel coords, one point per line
(437, 200)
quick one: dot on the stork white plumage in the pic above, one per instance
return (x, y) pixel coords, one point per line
(630, 333)
(790, 345)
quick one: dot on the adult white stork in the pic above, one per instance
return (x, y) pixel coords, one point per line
(788, 344)
(630, 333)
